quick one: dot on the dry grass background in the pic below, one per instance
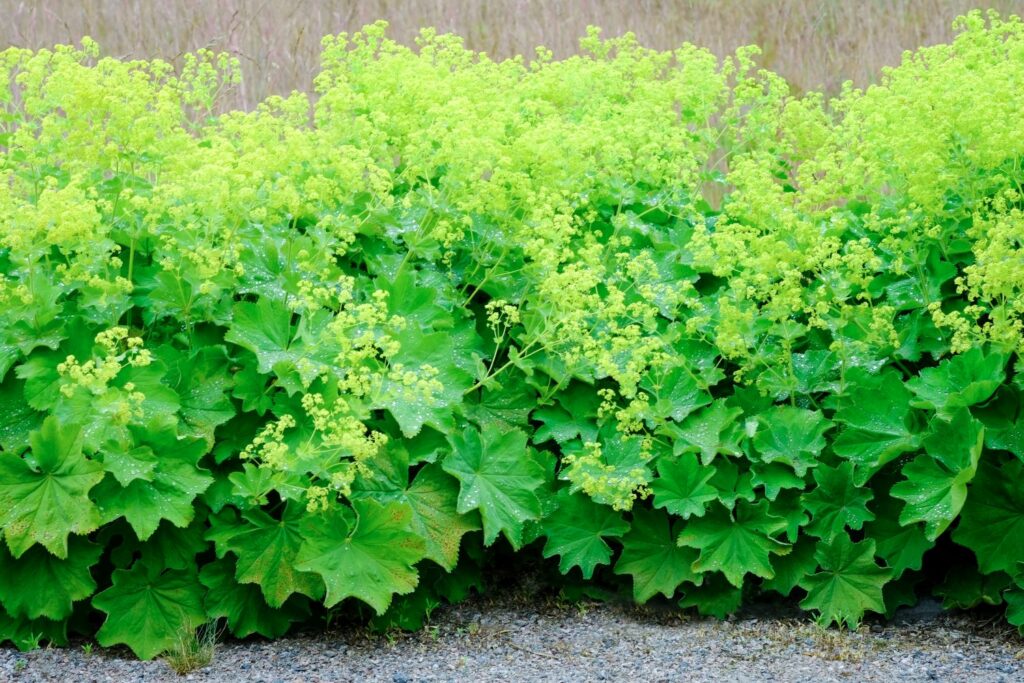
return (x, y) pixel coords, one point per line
(814, 44)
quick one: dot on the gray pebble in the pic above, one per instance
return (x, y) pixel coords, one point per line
(554, 643)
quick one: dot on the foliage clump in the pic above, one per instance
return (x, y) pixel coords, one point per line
(641, 311)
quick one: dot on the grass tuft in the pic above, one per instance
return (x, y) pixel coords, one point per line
(194, 649)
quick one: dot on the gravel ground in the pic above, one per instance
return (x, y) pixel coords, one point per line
(503, 640)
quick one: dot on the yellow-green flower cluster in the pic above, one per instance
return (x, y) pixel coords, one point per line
(578, 220)
(619, 487)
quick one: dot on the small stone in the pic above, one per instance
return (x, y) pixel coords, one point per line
(877, 628)
(400, 678)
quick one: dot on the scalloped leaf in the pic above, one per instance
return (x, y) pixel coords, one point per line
(576, 532)
(836, 503)
(682, 486)
(168, 493)
(243, 606)
(736, 542)
(652, 557)
(39, 584)
(267, 549)
(793, 436)
(935, 486)
(876, 413)
(44, 497)
(498, 478)
(432, 496)
(148, 609)
(368, 551)
(849, 584)
(992, 519)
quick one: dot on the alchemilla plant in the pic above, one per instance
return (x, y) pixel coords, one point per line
(646, 314)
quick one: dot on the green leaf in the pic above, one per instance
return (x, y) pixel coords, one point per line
(38, 322)
(411, 612)
(176, 547)
(102, 417)
(148, 610)
(921, 287)
(202, 382)
(45, 498)
(815, 371)
(932, 494)
(789, 506)
(900, 592)
(39, 584)
(42, 381)
(413, 302)
(162, 402)
(9, 355)
(901, 546)
(676, 394)
(166, 294)
(408, 612)
(792, 436)
(267, 550)
(992, 520)
(574, 416)
(702, 359)
(716, 597)
(432, 497)
(265, 328)
(736, 543)
(876, 412)
(242, 604)
(651, 556)
(458, 584)
(732, 482)
(956, 441)
(20, 419)
(710, 431)
(170, 493)
(576, 532)
(935, 486)
(254, 484)
(128, 462)
(964, 587)
(509, 403)
(774, 478)
(792, 568)
(849, 584)
(498, 478)
(1015, 604)
(28, 634)
(253, 389)
(836, 502)
(682, 486)
(267, 255)
(366, 552)
(560, 425)
(297, 354)
(439, 351)
(1009, 438)
(961, 381)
